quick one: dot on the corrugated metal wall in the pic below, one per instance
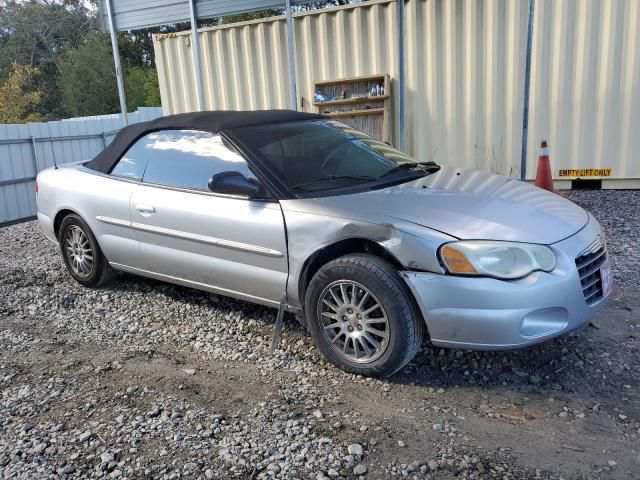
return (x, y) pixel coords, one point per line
(585, 85)
(346, 42)
(459, 54)
(465, 75)
(465, 85)
(244, 67)
(67, 140)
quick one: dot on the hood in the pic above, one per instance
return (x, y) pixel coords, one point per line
(469, 204)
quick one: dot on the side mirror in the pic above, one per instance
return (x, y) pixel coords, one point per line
(234, 183)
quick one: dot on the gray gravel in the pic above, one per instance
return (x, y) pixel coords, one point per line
(145, 379)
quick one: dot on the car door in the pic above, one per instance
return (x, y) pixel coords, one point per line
(188, 235)
(110, 205)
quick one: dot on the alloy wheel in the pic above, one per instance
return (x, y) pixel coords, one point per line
(79, 251)
(353, 321)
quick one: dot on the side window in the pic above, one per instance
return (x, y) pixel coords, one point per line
(132, 163)
(188, 159)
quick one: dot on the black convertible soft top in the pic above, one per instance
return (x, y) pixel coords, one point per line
(214, 121)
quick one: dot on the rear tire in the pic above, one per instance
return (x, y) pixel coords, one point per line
(81, 253)
(362, 316)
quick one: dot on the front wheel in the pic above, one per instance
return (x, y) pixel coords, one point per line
(81, 253)
(362, 316)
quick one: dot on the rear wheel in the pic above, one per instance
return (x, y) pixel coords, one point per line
(362, 316)
(81, 253)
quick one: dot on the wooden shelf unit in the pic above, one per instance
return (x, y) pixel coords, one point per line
(345, 101)
(355, 113)
(358, 109)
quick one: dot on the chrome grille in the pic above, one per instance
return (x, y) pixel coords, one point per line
(589, 263)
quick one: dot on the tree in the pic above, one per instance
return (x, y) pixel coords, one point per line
(73, 66)
(87, 79)
(245, 17)
(33, 32)
(36, 33)
(46, 34)
(141, 88)
(17, 103)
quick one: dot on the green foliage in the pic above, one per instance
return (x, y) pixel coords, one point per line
(245, 17)
(136, 47)
(141, 87)
(35, 33)
(88, 82)
(87, 79)
(17, 103)
(71, 60)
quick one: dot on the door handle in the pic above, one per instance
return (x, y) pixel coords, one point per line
(145, 209)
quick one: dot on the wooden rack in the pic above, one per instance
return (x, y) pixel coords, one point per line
(353, 104)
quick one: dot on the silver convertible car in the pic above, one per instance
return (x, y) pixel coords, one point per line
(372, 249)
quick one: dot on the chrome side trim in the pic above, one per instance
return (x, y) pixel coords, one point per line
(197, 285)
(593, 247)
(218, 242)
(114, 221)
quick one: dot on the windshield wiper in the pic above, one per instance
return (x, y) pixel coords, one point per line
(332, 178)
(428, 167)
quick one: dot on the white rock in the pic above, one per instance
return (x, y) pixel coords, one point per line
(107, 457)
(360, 469)
(355, 449)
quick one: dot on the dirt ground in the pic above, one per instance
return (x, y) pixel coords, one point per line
(74, 360)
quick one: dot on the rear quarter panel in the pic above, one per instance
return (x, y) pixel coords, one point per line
(90, 195)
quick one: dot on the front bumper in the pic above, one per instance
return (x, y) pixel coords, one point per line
(490, 314)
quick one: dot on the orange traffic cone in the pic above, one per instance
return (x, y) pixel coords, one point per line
(543, 176)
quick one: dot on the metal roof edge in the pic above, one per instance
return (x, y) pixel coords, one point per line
(276, 18)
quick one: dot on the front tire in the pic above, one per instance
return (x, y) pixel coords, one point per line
(81, 253)
(362, 317)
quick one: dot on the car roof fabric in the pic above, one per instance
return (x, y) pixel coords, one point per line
(213, 121)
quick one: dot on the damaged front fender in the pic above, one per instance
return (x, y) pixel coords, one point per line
(313, 226)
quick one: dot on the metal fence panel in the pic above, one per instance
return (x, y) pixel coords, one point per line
(28, 148)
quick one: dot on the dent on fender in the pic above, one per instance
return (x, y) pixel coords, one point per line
(312, 230)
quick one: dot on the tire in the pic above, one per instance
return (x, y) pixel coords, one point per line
(81, 253)
(395, 325)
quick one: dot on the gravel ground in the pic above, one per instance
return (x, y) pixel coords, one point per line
(145, 379)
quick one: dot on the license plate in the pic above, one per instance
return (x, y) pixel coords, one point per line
(607, 278)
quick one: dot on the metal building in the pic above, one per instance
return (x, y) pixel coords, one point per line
(466, 77)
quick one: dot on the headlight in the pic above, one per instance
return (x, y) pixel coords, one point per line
(507, 260)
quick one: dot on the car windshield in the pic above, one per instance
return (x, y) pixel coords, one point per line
(315, 156)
